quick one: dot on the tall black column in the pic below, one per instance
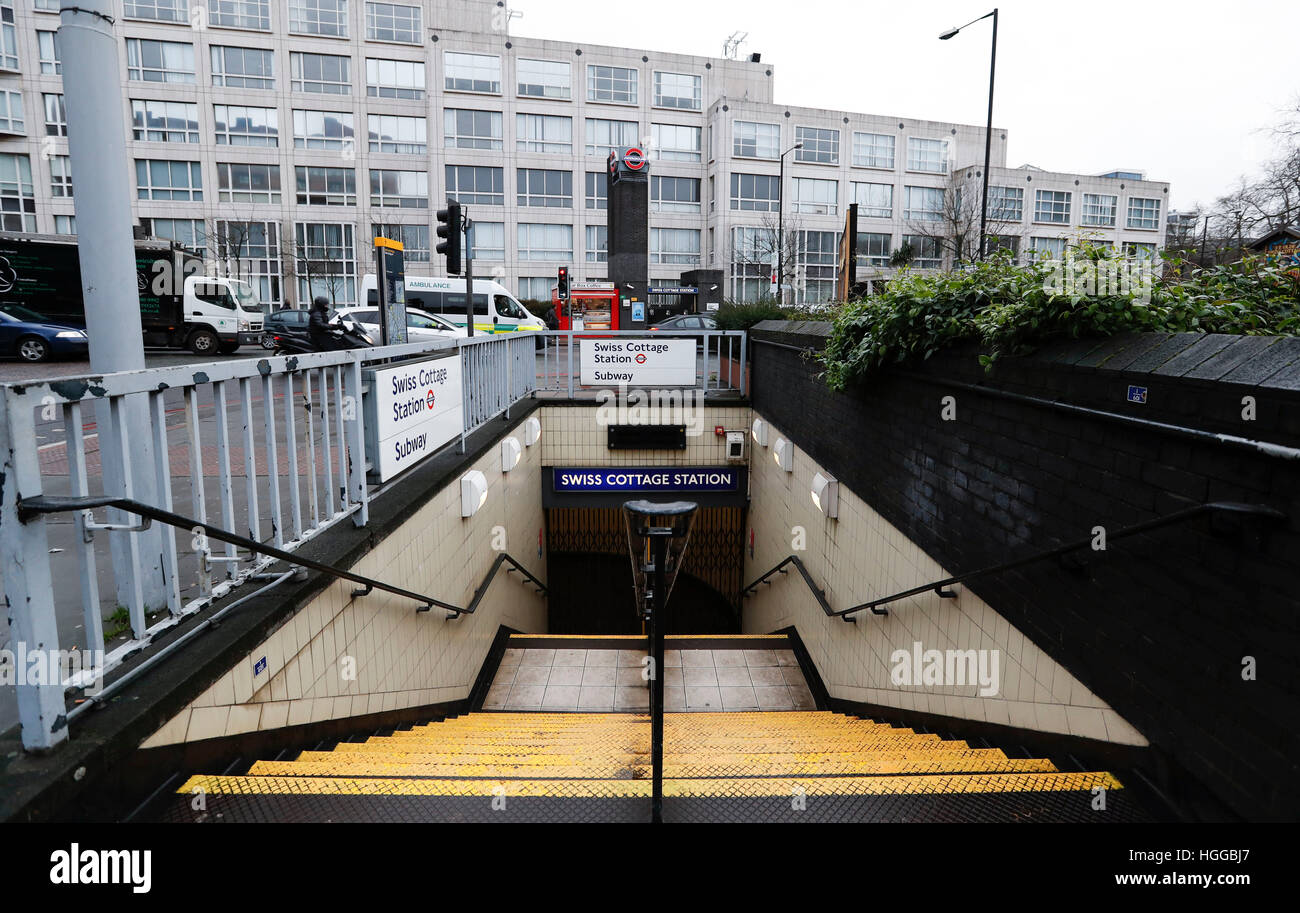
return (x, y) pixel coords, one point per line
(629, 230)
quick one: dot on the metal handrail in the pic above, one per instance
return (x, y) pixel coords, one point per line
(28, 508)
(940, 586)
(819, 593)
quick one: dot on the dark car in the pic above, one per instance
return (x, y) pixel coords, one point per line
(687, 322)
(286, 324)
(34, 338)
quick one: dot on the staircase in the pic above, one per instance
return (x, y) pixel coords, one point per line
(762, 766)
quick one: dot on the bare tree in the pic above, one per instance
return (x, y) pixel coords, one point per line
(758, 259)
(955, 227)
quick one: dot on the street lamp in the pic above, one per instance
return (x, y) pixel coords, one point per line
(988, 130)
(780, 226)
(657, 534)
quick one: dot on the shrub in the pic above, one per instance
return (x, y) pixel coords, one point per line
(743, 315)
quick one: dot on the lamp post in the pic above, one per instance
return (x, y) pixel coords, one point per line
(657, 535)
(988, 130)
(780, 226)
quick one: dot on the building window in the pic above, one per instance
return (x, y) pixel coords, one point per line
(319, 17)
(755, 192)
(487, 240)
(49, 53)
(874, 201)
(237, 125)
(189, 232)
(398, 134)
(536, 288)
(675, 246)
(240, 182)
(240, 14)
(326, 262)
(926, 253)
(923, 204)
(323, 130)
(543, 79)
(819, 145)
(605, 136)
(8, 36)
(756, 141)
(12, 120)
(1052, 206)
(254, 249)
(17, 194)
(65, 225)
(675, 142)
(1008, 243)
(156, 121)
(927, 155)
(545, 242)
(243, 68)
(597, 244)
(751, 262)
(674, 194)
(817, 255)
(678, 90)
(1099, 209)
(472, 73)
(1142, 250)
(538, 187)
(322, 74)
(413, 238)
(611, 84)
(816, 196)
(394, 78)
(325, 186)
(1007, 204)
(60, 176)
(544, 133)
(157, 10)
(597, 190)
(48, 6)
(476, 184)
(873, 150)
(464, 129)
(873, 249)
(159, 61)
(56, 116)
(393, 22)
(1143, 213)
(1048, 248)
(161, 179)
(399, 189)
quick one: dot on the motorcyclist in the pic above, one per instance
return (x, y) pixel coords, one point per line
(318, 325)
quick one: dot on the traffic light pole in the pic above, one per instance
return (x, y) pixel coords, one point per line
(469, 281)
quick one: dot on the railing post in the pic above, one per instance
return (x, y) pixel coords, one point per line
(356, 441)
(29, 588)
(744, 364)
(572, 342)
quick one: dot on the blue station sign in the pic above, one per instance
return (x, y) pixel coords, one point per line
(650, 479)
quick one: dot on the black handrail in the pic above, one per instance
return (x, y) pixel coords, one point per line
(807, 578)
(50, 504)
(939, 586)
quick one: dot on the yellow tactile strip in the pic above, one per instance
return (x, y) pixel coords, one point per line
(588, 788)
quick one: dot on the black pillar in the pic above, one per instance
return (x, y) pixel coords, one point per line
(629, 230)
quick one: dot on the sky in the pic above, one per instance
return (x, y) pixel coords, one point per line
(1185, 91)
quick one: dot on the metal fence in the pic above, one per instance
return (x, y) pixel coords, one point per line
(271, 448)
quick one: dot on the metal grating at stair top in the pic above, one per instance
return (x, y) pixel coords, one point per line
(756, 766)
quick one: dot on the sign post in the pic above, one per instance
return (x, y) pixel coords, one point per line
(391, 285)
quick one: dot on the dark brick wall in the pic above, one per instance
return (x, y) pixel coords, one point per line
(1158, 624)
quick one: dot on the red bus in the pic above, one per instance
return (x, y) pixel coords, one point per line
(591, 306)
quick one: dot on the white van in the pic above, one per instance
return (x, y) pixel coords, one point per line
(495, 309)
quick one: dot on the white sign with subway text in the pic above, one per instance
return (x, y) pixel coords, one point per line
(418, 409)
(642, 362)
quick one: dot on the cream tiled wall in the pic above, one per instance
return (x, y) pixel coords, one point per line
(861, 556)
(575, 436)
(402, 659)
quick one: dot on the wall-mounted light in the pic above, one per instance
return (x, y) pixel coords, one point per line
(511, 451)
(532, 431)
(783, 453)
(759, 432)
(473, 492)
(826, 495)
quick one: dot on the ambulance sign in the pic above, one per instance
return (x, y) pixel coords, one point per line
(638, 362)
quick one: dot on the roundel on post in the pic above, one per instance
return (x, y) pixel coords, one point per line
(634, 158)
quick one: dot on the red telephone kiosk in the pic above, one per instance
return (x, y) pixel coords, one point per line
(590, 306)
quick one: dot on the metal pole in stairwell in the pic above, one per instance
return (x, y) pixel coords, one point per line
(657, 682)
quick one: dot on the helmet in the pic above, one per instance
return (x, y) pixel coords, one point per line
(320, 301)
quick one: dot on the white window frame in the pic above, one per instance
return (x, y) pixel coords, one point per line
(817, 149)
(762, 140)
(543, 75)
(544, 134)
(665, 143)
(690, 81)
(145, 111)
(397, 23)
(234, 191)
(873, 209)
(927, 155)
(346, 197)
(607, 78)
(452, 138)
(267, 136)
(815, 196)
(1055, 204)
(477, 66)
(299, 81)
(534, 245)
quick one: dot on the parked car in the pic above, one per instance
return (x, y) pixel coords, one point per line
(34, 338)
(687, 322)
(289, 324)
(420, 324)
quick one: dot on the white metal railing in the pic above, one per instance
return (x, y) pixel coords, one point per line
(269, 449)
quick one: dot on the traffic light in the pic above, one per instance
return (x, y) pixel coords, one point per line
(562, 286)
(449, 227)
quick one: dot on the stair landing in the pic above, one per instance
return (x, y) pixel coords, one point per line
(702, 673)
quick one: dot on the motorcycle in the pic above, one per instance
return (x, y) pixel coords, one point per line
(344, 334)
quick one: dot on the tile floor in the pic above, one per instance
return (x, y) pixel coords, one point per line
(608, 680)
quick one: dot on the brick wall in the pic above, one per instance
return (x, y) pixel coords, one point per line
(1158, 625)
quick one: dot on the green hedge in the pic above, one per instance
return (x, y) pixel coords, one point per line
(1010, 309)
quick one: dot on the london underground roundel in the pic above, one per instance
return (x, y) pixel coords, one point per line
(634, 159)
